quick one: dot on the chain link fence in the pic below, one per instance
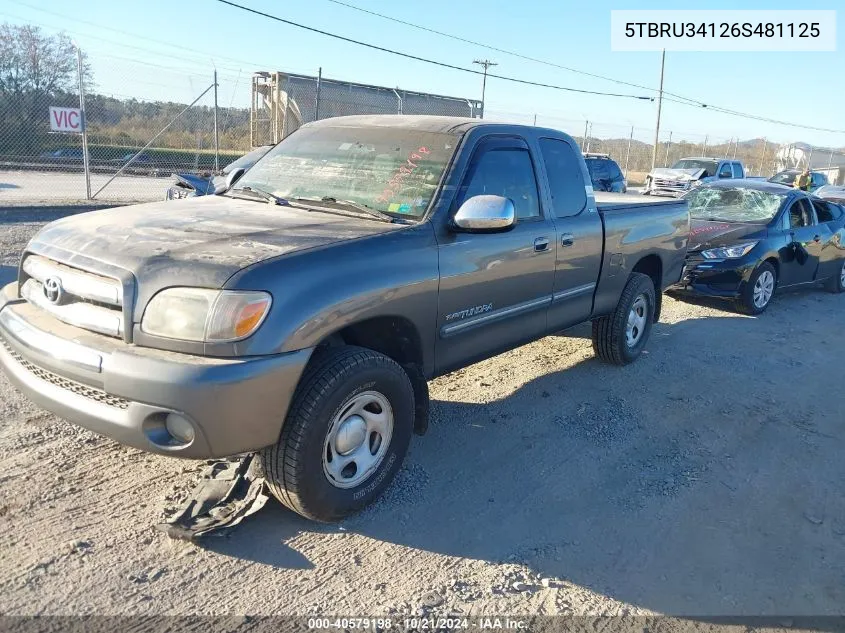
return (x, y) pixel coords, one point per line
(210, 119)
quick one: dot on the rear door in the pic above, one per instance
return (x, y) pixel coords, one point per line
(801, 262)
(579, 235)
(739, 172)
(829, 222)
(495, 288)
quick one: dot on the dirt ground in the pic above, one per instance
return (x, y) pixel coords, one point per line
(705, 479)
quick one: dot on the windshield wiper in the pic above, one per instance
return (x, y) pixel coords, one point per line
(349, 204)
(260, 193)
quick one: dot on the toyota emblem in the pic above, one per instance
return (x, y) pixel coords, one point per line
(53, 290)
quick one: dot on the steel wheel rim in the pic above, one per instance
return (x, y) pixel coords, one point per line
(636, 324)
(358, 439)
(764, 287)
(842, 275)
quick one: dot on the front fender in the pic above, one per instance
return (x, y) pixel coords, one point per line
(316, 293)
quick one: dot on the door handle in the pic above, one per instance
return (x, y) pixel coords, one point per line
(567, 239)
(541, 244)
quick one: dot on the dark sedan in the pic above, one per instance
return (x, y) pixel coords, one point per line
(749, 238)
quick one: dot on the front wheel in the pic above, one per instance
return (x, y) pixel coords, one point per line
(758, 292)
(836, 283)
(345, 435)
(620, 337)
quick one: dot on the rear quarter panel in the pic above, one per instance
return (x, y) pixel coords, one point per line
(634, 230)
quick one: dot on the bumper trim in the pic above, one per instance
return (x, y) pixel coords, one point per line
(56, 348)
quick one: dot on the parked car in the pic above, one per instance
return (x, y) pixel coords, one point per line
(688, 173)
(787, 177)
(301, 313)
(142, 160)
(189, 185)
(605, 173)
(64, 154)
(834, 193)
(749, 238)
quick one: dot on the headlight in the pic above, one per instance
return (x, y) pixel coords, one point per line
(199, 314)
(729, 252)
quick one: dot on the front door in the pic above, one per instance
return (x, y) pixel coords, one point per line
(801, 261)
(495, 288)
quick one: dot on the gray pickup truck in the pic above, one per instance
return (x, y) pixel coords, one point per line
(300, 314)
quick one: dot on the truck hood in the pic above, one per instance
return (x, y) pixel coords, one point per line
(681, 175)
(706, 234)
(196, 241)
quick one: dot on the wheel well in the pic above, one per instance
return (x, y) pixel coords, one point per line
(652, 266)
(397, 338)
(775, 264)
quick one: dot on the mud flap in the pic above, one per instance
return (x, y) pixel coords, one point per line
(228, 492)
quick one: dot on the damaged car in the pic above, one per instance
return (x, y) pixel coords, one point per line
(751, 238)
(689, 173)
(190, 185)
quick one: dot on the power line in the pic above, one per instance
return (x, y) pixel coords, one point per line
(680, 99)
(423, 59)
(489, 47)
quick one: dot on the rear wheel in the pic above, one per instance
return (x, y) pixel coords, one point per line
(345, 436)
(837, 282)
(620, 337)
(759, 290)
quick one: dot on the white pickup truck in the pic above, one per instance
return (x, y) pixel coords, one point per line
(690, 172)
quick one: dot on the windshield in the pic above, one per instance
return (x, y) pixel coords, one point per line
(247, 160)
(709, 166)
(784, 177)
(391, 170)
(734, 204)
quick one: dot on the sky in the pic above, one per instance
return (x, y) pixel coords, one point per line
(164, 50)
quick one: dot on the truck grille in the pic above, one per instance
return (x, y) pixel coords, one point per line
(673, 185)
(97, 395)
(74, 296)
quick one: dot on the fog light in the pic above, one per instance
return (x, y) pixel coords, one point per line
(179, 427)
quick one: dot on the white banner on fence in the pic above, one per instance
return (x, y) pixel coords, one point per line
(66, 120)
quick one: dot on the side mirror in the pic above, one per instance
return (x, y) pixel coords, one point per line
(233, 176)
(485, 214)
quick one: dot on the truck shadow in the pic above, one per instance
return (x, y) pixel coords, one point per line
(669, 484)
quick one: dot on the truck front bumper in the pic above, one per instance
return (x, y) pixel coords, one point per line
(127, 393)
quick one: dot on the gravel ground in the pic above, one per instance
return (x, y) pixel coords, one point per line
(705, 479)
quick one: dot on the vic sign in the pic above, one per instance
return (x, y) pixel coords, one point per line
(65, 120)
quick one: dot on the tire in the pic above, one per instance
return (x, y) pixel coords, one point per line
(836, 284)
(304, 470)
(613, 341)
(765, 276)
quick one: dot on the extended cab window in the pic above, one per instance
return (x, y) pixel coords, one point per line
(738, 173)
(505, 172)
(566, 180)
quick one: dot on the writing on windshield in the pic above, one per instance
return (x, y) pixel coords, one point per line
(386, 168)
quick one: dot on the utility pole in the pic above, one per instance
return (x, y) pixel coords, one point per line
(317, 100)
(85, 162)
(216, 133)
(666, 159)
(763, 154)
(485, 63)
(659, 108)
(586, 131)
(628, 153)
